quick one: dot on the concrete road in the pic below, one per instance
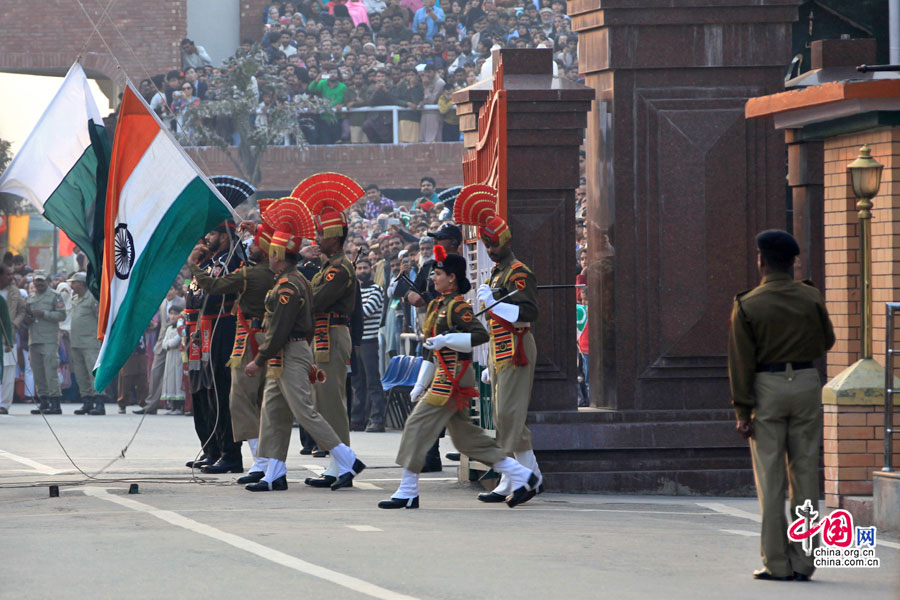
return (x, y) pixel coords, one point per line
(184, 537)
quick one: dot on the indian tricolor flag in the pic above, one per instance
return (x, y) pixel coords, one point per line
(62, 168)
(158, 206)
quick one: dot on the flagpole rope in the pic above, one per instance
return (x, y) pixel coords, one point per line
(104, 13)
(100, 35)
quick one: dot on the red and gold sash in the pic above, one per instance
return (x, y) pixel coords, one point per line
(244, 334)
(190, 319)
(506, 343)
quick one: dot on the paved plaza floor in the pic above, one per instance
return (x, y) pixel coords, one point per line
(206, 537)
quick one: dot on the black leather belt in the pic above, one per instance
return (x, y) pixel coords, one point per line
(782, 366)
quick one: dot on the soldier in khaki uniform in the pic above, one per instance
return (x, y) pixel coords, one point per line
(250, 283)
(84, 345)
(43, 313)
(288, 359)
(512, 294)
(446, 374)
(777, 330)
(334, 292)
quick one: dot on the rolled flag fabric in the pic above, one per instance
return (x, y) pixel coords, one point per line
(62, 168)
(158, 205)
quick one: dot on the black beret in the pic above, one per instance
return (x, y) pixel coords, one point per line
(778, 242)
(454, 264)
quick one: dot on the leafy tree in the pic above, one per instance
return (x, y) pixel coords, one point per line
(231, 107)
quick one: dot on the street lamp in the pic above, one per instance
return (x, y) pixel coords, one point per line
(865, 175)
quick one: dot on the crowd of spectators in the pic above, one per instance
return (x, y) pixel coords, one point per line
(363, 53)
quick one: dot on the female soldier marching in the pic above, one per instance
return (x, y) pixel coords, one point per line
(445, 384)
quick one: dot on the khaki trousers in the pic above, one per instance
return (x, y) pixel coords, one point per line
(82, 361)
(45, 366)
(787, 426)
(424, 426)
(331, 396)
(245, 401)
(511, 394)
(288, 397)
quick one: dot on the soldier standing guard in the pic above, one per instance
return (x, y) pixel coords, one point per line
(250, 284)
(513, 352)
(452, 332)
(85, 345)
(286, 355)
(334, 292)
(43, 313)
(777, 330)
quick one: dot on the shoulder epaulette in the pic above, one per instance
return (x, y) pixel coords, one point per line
(809, 282)
(739, 294)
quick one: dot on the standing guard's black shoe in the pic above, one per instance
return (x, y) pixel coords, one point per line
(346, 479)
(400, 503)
(251, 477)
(801, 576)
(200, 462)
(320, 453)
(766, 576)
(523, 494)
(224, 465)
(279, 485)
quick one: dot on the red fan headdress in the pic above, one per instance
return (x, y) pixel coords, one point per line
(477, 205)
(289, 221)
(327, 196)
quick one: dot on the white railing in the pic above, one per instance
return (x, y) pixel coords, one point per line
(395, 112)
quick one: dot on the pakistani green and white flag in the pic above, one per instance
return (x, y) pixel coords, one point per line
(63, 167)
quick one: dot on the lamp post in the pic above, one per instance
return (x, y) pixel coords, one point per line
(865, 175)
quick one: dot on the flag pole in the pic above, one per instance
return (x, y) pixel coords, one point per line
(55, 251)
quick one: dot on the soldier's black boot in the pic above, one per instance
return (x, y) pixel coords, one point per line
(44, 406)
(54, 407)
(86, 406)
(99, 407)
(433, 459)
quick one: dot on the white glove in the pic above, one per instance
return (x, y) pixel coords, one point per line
(426, 374)
(436, 343)
(506, 311)
(485, 295)
(486, 376)
(461, 342)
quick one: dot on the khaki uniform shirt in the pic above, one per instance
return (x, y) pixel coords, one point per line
(288, 314)
(460, 319)
(334, 287)
(779, 321)
(45, 330)
(83, 333)
(511, 274)
(251, 283)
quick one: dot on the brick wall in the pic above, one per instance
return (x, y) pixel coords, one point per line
(389, 166)
(46, 37)
(854, 448)
(842, 243)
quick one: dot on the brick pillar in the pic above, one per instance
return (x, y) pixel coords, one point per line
(854, 428)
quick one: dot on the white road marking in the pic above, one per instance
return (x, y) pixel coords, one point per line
(893, 545)
(365, 486)
(285, 560)
(314, 468)
(739, 532)
(364, 528)
(730, 510)
(40, 468)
